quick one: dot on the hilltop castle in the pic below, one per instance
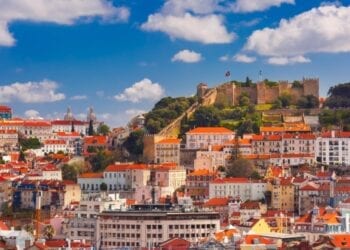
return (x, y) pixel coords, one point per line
(259, 93)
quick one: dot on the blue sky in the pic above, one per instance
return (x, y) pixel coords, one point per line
(120, 57)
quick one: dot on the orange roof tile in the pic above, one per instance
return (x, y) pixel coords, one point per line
(169, 141)
(125, 167)
(96, 139)
(231, 180)
(341, 241)
(226, 233)
(91, 175)
(210, 130)
(201, 172)
(214, 202)
(3, 226)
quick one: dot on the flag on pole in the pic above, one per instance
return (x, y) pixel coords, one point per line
(228, 73)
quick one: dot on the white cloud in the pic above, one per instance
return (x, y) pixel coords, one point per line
(224, 58)
(288, 60)
(134, 112)
(32, 114)
(322, 29)
(78, 97)
(142, 90)
(207, 29)
(257, 5)
(244, 58)
(31, 92)
(180, 7)
(187, 56)
(55, 11)
(100, 93)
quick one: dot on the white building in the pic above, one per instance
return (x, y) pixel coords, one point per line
(167, 150)
(242, 188)
(54, 146)
(90, 182)
(143, 227)
(333, 148)
(202, 137)
(83, 225)
(67, 125)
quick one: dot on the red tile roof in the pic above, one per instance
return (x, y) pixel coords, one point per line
(5, 108)
(210, 130)
(3, 226)
(96, 139)
(125, 167)
(340, 241)
(214, 202)
(36, 123)
(169, 141)
(91, 175)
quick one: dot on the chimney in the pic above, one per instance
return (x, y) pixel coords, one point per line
(332, 133)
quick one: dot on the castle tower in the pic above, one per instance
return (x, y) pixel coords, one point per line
(91, 115)
(69, 115)
(201, 89)
(311, 87)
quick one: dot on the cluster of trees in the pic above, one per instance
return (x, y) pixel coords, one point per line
(339, 96)
(29, 143)
(242, 118)
(165, 111)
(340, 118)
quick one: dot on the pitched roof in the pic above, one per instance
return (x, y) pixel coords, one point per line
(169, 141)
(201, 172)
(340, 240)
(210, 130)
(214, 202)
(91, 175)
(125, 167)
(95, 139)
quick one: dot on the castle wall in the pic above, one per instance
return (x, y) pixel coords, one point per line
(260, 87)
(251, 91)
(271, 94)
(311, 87)
(226, 94)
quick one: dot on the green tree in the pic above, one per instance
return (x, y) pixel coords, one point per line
(308, 102)
(243, 99)
(134, 143)
(338, 96)
(285, 99)
(49, 232)
(206, 116)
(240, 168)
(29, 143)
(69, 172)
(6, 209)
(103, 186)
(91, 128)
(103, 129)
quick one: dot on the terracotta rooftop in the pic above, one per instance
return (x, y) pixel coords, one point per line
(209, 130)
(125, 167)
(91, 175)
(214, 202)
(169, 141)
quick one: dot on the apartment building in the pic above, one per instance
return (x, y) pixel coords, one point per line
(202, 137)
(149, 225)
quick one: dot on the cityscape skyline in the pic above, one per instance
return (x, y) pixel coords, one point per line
(121, 57)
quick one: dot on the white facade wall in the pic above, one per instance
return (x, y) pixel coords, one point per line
(90, 184)
(333, 151)
(244, 190)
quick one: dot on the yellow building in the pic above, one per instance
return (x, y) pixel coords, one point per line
(282, 194)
